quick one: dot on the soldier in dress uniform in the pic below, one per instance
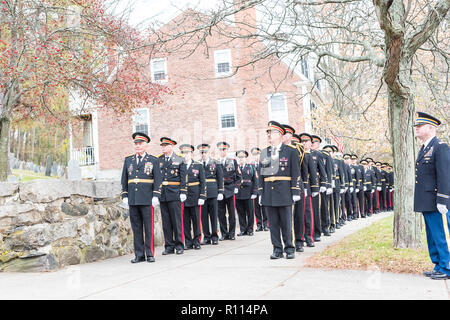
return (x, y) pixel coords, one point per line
(432, 192)
(329, 220)
(378, 177)
(173, 194)
(324, 201)
(279, 185)
(383, 192)
(231, 182)
(141, 190)
(260, 212)
(351, 178)
(361, 186)
(196, 196)
(390, 187)
(374, 184)
(214, 193)
(248, 191)
(344, 187)
(369, 182)
(358, 186)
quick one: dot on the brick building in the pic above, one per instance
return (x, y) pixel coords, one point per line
(209, 103)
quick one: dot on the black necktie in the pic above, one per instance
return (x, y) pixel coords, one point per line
(204, 164)
(139, 159)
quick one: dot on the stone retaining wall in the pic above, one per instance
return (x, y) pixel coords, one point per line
(48, 224)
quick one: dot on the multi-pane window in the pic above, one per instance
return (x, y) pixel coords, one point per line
(222, 61)
(141, 121)
(305, 67)
(278, 108)
(159, 69)
(227, 113)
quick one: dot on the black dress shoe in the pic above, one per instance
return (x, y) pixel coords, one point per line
(150, 259)
(316, 239)
(440, 276)
(188, 247)
(309, 244)
(260, 228)
(266, 229)
(290, 255)
(240, 234)
(215, 242)
(137, 260)
(166, 252)
(180, 251)
(331, 230)
(231, 238)
(205, 242)
(276, 256)
(299, 249)
(222, 238)
(250, 233)
(197, 247)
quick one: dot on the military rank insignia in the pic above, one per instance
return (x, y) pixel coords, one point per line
(148, 168)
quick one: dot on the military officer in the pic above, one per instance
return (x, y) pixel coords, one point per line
(351, 178)
(390, 187)
(231, 181)
(214, 193)
(260, 212)
(369, 183)
(173, 193)
(279, 184)
(358, 186)
(360, 183)
(378, 177)
(383, 202)
(248, 191)
(432, 192)
(141, 190)
(196, 196)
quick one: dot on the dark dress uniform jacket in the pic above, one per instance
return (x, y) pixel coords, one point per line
(196, 184)
(432, 177)
(231, 176)
(249, 183)
(327, 163)
(173, 171)
(214, 178)
(141, 182)
(280, 177)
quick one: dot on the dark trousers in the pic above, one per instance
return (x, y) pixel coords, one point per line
(348, 204)
(209, 219)
(299, 221)
(260, 214)
(355, 209)
(437, 243)
(341, 214)
(227, 225)
(280, 226)
(383, 206)
(368, 203)
(316, 204)
(376, 201)
(191, 226)
(309, 220)
(245, 213)
(141, 219)
(362, 204)
(172, 222)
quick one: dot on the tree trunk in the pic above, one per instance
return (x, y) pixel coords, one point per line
(4, 137)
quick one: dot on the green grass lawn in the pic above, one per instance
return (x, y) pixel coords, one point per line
(371, 248)
(25, 175)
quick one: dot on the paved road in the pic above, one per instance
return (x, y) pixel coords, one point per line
(239, 269)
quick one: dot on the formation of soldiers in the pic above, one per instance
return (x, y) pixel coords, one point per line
(291, 188)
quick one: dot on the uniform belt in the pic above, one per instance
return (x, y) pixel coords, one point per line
(140, 181)
(275, 178)
(170, 183)
(210, 180)
(246, 180)
(191, 184)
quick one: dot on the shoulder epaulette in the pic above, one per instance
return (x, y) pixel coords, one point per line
(159, 155)
(129, 155)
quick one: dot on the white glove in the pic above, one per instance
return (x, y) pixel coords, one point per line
(201, 202)
(342, 191)
(346, 188)
(356, 190)
(351, 189)
(155, 202)
(236, 190)
(365, 188)
(322, 189)
(329, 191)
(372, 191)
(379, 188)
(182, 197)
(125, 201)
(390, 190)
(220, 197)
(259, 200)
(306, 193)
(253, 196)
(333, 184)
(442, 208)
(314, 194)
(296, 198)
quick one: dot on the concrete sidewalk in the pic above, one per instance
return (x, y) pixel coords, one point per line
(239, 269)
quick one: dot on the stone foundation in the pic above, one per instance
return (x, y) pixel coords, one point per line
(48, 224)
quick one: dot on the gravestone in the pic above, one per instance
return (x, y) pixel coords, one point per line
(35, 168)
(73, 170)
(54, 169)
(13, 179)
(48, 166)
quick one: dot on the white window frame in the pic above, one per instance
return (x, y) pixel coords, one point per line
(269, 106)
(166, 78)
(148, 119)
(220, 114)
(216, 62)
